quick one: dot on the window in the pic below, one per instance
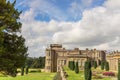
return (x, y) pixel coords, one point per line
(64, 62)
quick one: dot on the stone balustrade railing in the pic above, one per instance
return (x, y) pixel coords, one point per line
(63, 73)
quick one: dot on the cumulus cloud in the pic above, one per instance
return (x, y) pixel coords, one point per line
(98, 27)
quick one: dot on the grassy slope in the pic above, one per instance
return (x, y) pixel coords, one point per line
(32, 76)
(73, 76)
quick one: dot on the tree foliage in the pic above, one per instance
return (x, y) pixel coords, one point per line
(13, 51)
(35, 62)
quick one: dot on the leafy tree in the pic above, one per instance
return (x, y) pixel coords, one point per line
(76, 68)
(106, 66)
(87, 70)
(42, 62)
(13, 51)
(95, 64)
(35, 62)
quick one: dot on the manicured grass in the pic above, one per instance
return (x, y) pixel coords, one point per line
(32, 76)
(73, 76)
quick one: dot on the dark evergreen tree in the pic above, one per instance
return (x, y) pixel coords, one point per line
(106, 66)
(95, 64)
(69, 64)
(102, 65)
(35, 62)
(76, 68)
(42, 62)
(87, 70)
(118, 69)
(72, 65)
(12, 46)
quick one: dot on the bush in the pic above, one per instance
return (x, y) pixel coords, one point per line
(109, 74)
(71, 65)
(87, 70)
(106, 66)
(76, 68)
(102, 65)
(95, 64)
(18, 71)
(34, 71)
(118, 70)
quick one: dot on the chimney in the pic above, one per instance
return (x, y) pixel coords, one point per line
(87, 49)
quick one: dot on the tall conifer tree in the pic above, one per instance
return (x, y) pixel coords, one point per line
(13, 51)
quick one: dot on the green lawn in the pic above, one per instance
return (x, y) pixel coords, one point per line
(32, 76)
(73, 76)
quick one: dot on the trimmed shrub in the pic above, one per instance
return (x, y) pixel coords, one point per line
(102, 65)
(34, 71)
(87, 70)
(109, 74)
(76, 68)
(118, 70)
(71, 65)
(106, 66)
(95, 64)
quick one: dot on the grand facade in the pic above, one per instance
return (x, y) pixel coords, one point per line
(57, 56)
(113, 60)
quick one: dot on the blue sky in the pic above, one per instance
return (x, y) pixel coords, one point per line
(73, 23)
(63, 6)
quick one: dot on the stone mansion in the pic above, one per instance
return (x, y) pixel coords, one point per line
(56, 56)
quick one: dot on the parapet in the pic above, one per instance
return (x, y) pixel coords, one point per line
(55, 45)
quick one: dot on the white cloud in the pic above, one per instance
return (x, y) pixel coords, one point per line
(98, 28)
